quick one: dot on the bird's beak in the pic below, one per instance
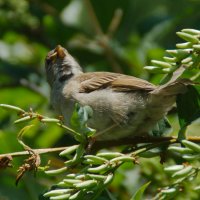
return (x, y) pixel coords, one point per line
(59, 52)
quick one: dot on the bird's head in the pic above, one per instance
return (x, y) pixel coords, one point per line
(60, 65)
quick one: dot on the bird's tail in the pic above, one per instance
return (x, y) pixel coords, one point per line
(172, 88)
(163, 97)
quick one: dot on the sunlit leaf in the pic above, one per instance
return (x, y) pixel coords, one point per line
(139, 193)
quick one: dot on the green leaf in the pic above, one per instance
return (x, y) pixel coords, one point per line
(188, 106)
(79, 119)
(166, 78)
(162, 127)
(21, 133)
(139, 193)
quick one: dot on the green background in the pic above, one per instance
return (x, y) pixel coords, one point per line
(29, 29)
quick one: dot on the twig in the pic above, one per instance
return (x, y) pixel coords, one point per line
(37, 151)
(196, 76)
(47, 7)
(154, 145)
(24, 83)
(32, 87)
(155, 141)
(93, 18)
(107, 144)
(110, 55)
(114, 24)
(137, 140)
(103, 39)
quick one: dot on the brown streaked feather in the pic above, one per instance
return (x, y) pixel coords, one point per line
(128, 83)
(173, 88)
(119, 82)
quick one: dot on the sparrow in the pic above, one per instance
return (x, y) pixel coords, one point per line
(123, 106)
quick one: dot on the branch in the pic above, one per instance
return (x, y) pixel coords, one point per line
(33, 87)
(114, 24)
(102, 38)
(93, 18)
(25, 83)
(137, 140)
(97, 145)
(37, 151)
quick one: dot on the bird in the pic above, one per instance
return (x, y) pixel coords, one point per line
(123, 106)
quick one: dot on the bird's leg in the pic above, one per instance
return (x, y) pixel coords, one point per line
(93, 139)
(100, 133)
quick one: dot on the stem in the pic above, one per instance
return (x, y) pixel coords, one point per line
(196, 76)
(71, 131)
(114, 24)
(152, 146)
(137, 140)
(33, 88)
(37, 151)
(93, 18)
(103, 39)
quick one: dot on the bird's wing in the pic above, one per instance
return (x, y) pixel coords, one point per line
(129, 83)
(98, 80)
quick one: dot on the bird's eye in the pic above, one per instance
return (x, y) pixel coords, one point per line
(51, 58)
(48, 61)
